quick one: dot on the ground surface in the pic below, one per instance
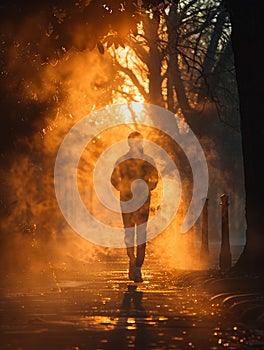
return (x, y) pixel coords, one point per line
(98, 308)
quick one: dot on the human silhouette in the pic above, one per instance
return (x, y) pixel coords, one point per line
(135, 165)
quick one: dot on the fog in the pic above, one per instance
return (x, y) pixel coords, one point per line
(35, 238)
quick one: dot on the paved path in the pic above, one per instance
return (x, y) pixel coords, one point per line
(99, 309)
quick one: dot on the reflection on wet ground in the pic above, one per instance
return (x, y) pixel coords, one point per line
(103, 310)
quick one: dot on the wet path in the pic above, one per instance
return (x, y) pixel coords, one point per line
(103, 310)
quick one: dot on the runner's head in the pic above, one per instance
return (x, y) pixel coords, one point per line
(135, 140)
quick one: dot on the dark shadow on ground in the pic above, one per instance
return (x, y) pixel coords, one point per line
(130, 329)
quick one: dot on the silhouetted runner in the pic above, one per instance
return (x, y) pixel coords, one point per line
(135, 165)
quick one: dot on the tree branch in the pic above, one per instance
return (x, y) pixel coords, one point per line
(134, 80)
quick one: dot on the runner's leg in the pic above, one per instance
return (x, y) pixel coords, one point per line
(129, 239)
(141, 244)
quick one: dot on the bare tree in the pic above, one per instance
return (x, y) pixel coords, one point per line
(179, 56)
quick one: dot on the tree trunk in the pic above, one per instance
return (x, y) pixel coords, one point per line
(209, 60)
(247, 40)
(175, 85)
(172, 24)
(151, 28)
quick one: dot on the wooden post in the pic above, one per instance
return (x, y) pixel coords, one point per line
(204, 253)
(225, 259)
